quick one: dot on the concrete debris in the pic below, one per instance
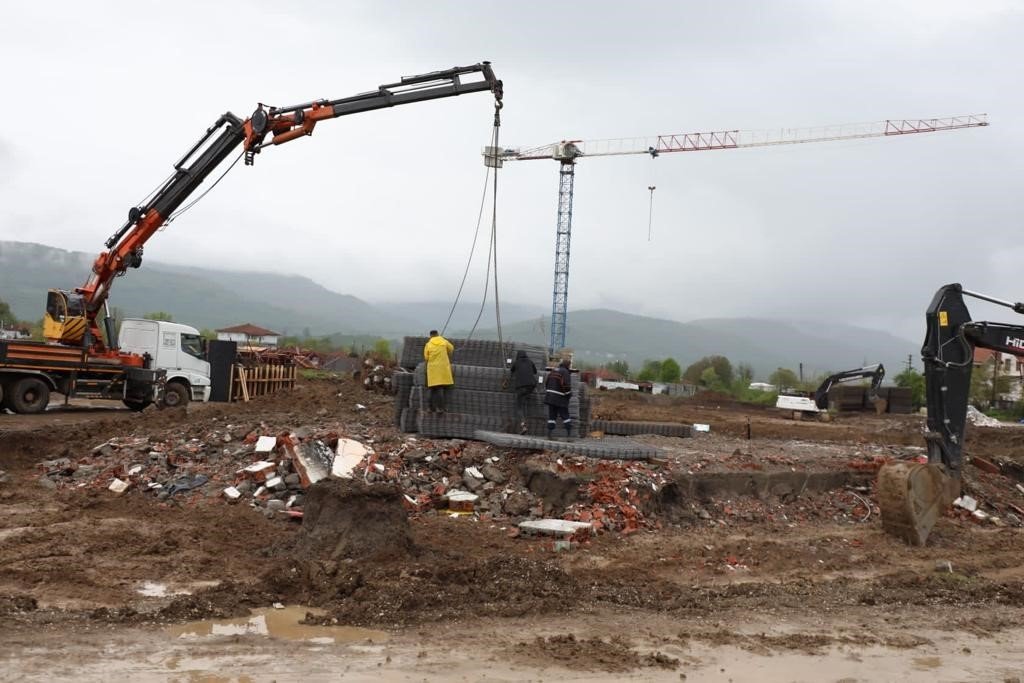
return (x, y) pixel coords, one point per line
(944, 566)
(967, 503)
(232, 493)
(266, 444)
(556, 527)
(118, 486)
(697, 427)
(976, 417)
(348, 454)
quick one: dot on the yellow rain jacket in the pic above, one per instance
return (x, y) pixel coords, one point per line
(437, 352)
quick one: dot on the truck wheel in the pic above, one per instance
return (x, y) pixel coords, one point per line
(176, 395)
(29, 395)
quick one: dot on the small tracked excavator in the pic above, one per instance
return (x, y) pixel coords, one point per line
(819, 402)
(912, 496)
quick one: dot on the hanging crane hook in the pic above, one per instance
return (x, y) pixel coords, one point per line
(650, 212)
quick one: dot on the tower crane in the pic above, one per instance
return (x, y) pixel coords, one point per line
(567, 152)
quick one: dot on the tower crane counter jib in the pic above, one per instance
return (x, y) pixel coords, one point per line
(71, 316)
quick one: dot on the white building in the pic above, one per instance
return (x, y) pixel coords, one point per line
(249, 335)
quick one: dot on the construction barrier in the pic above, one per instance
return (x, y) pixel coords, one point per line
(250, 381)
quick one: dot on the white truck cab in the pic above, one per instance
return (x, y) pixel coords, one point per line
(176, 348)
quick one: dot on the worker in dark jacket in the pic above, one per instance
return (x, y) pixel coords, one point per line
(524, 382)
(557, 391)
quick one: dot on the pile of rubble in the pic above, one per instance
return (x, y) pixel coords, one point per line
(481, 399)
(271, 470)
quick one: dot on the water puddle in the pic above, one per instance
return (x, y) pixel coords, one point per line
(282, 624)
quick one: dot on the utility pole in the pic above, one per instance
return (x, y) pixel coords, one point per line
(910, 361)
(995, 377)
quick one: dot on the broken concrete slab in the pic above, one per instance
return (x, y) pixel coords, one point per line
(348, 454)
(312, 461)
(118, 486)
(232, 494)
(555, 527)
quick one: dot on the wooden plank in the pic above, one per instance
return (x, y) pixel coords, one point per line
(242, 381)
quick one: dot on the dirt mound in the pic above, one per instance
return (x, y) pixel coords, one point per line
(435, 588)
(590, 654)
(349, 519)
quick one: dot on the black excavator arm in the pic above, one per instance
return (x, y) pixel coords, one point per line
(875, 372)
(912, 496)
(948, 355)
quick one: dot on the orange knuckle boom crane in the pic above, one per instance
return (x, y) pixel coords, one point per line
(71, 316)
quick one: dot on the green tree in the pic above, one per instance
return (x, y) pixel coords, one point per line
(160, 315)
(913, 380)
(382, 349)
(619, 367)
(650, 372)
(982, 392)
(710, 380)
(6, 316)
(784, 378)
(740, 386)
(207, 333)
(670, 371)
(721, 364)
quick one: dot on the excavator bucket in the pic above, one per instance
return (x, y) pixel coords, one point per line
(912, 496)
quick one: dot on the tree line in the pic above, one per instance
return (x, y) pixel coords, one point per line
(717, 373)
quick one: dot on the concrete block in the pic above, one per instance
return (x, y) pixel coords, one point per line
(462, 501)
(118, 486)
(260, 470)
(232, 494)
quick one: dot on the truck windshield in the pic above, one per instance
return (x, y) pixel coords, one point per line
(192, 345)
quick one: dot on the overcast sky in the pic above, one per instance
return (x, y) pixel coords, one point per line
(101, 98)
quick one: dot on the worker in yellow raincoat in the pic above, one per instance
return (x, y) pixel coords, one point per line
(437, 352)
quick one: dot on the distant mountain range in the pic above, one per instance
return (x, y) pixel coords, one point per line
(599, 336)
(294, 304)
(197, 296)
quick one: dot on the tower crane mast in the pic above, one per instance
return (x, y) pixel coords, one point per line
(567, 152)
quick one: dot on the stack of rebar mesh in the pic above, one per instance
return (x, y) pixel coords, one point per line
(483, 398)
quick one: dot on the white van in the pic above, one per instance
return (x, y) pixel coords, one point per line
(176, 348)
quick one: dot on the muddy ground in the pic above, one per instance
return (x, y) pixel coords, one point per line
(796, 586)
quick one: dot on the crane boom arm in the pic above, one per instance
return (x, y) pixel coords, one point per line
(737, 139)
(266, 126)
